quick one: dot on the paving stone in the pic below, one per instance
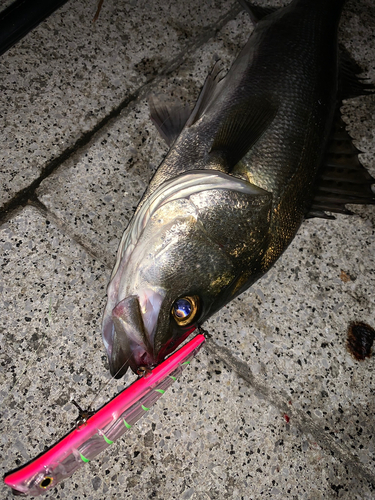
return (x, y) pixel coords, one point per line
(69, 73)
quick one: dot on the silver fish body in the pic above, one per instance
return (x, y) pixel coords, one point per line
(232, 191)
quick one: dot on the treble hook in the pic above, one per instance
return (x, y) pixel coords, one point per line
(83, 415)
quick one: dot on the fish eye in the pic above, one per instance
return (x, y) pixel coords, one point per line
(185, 309)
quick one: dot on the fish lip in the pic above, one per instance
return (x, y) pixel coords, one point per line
(150, 361)
(131, 338)
(140, 358)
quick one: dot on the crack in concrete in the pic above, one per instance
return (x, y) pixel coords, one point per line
(25, 195)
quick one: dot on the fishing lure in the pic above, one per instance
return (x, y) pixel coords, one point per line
(96, 432)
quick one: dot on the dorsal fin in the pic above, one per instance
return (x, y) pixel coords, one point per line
(256, 12)
(207, 93)
(350, 84)
(169, 116)
(342, 179)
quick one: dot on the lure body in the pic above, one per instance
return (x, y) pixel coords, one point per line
(82, 444)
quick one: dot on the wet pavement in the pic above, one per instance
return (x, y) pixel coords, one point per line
(274, 406)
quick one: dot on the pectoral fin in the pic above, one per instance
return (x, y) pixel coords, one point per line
(211, 88)
(242, 127)
(169, 116)
(350, 84)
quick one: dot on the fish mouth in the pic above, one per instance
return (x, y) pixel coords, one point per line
(131, 330)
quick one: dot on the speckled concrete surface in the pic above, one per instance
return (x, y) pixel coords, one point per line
(69, 74)
(74, 98)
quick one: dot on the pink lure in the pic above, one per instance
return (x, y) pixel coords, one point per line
(101, 429)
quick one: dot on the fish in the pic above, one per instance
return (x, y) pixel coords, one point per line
(263, 149)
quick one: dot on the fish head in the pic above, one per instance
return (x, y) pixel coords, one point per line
(189, 250)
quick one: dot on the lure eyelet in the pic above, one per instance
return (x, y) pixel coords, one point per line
(185, 309)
